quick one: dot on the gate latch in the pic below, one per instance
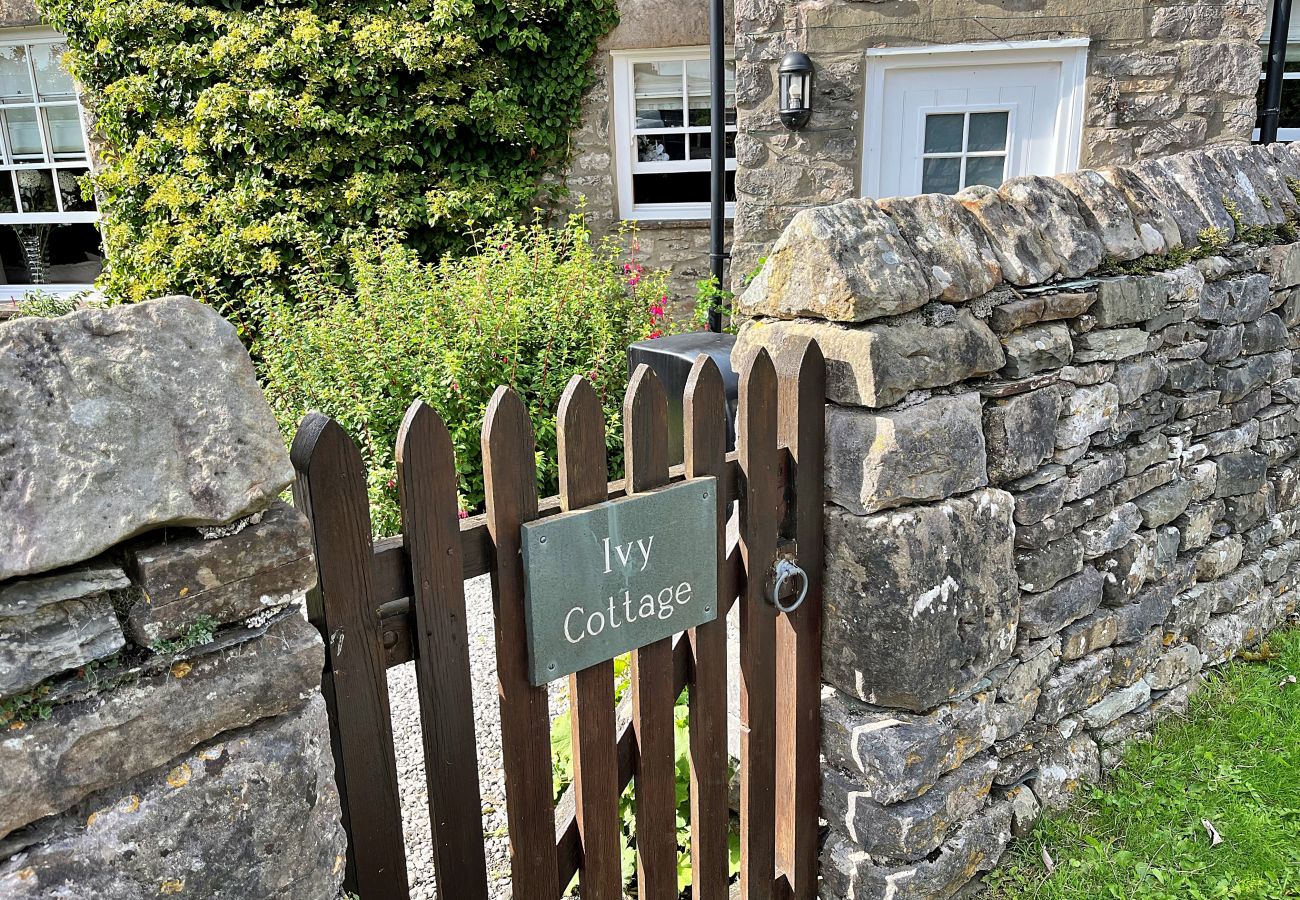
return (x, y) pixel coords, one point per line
(785, 570)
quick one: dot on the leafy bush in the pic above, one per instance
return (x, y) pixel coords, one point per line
(242, 137)
(531, 307)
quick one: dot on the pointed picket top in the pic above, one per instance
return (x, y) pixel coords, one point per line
(580, 431)
(645, 430)
(508, 447)
(421, 423)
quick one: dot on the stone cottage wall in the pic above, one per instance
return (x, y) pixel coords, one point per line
(1163, 76)
(1061, 480)
(162, 731)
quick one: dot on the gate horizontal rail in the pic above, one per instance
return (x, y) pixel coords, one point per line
(381, 604)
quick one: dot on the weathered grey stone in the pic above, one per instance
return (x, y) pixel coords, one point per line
(849, 871)
(1149, 609)
(1235, 381)
(1200, 182)
(1133, 659)
(1075, 686)
(1040, 570)
(877, 365)
(1110, 211)
(845, 262)
(1196, 524)
(1235, 301)
(1187, 214)
(263, 567)
(1127, 569)
(1222, 344)
(1092, 632)
(1174, 667)
(912, 828)
(1239, 473)
(54, 638)
(1110, 531)
(1164, 504)
(253, 813)
(1116, 704)
(1049, 611)
(1231, 440)
(1036, 349)
(1266, 333)
(1040, 308)
(1023, 250)
(1283, 265)
(1125, 300)
(1037, 660)
(1136, 379)
(891, 600)
(892, 756)
(1218, 558)
(953, 250)
(1025, 810)
(1070, 229)
(1064, 769)
(27, 595)
(1093, 472)
(1086, 411)
(926, 452)
(1019, 433)
(164, 424)
(82, 748)
(1152, 478)
(1109, 344)
(1223, 637)
(1157, 226)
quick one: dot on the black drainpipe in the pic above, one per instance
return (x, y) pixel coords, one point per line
(718, 151)
(1277, 38)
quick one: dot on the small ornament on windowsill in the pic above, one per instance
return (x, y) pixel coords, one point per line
(652, 151)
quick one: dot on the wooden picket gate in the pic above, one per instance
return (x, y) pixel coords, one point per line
(380, 604)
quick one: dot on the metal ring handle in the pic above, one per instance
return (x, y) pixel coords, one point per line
(786, 569)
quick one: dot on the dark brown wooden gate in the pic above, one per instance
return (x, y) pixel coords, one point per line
(380, 604)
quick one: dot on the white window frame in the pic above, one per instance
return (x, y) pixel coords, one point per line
(1284, 135)
(1071, 53)
(623, 134)
(1008, 152)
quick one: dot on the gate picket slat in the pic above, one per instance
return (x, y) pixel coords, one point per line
(760, 517)
(705, 430)
(510, 482)
(331, 491)
(426, 486)
(802, 414)
(581, 433)
(645, 423)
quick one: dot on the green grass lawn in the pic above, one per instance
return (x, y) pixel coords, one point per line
(1233, 760)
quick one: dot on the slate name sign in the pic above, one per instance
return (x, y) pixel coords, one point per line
(619, 575)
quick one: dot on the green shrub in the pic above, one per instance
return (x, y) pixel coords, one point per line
(241, 137)
(530, 308)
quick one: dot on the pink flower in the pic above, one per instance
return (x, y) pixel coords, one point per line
(463, 514)
(657, 311)
(658, 332)
(392, 483)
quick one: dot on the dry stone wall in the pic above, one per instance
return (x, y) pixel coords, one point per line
(162, 730)
(1062, 483)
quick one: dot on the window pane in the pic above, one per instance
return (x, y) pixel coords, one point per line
(943, 132)
(22, 134)
(988, 131)
(660, 147)
(51, 78)
(70, 190)
(941, 176)
(699, 82)
(65, 131)
(702, 146)
(73, 253)
(988, 170)
(15, 83)
(8, 199)
(697, 77)
(661, 112)
(657, 79)
(36, 190)
(677, 187)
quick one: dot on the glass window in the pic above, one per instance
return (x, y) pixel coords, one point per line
(964, 148)
(667, 101)
(49, 233)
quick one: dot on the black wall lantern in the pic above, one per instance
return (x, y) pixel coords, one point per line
(795, 83)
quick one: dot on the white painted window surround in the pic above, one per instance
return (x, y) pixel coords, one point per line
(661, 133)
(1039, 85)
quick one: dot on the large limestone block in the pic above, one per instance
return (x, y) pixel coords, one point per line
(118, 421)
(949, 243)
(848, 871)
(1170, 188)
(90, 745)
(1022, 249)
(1157, 225)
(264, 567)
(846, 262)
(1020, 432)
(921, 602)
(926, 452)
(1070, 229)
(1115, 224)
(1200, 180)
(1254, 168)
(877, 365)
(251, 815)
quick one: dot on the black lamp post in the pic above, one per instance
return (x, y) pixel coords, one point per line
(794, 79)
(1277, 38)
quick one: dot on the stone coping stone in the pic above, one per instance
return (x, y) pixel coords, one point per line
(160, 421)
(48, 765)
(263, 567)
(54, 639)
(253, 813)
(953, 250)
